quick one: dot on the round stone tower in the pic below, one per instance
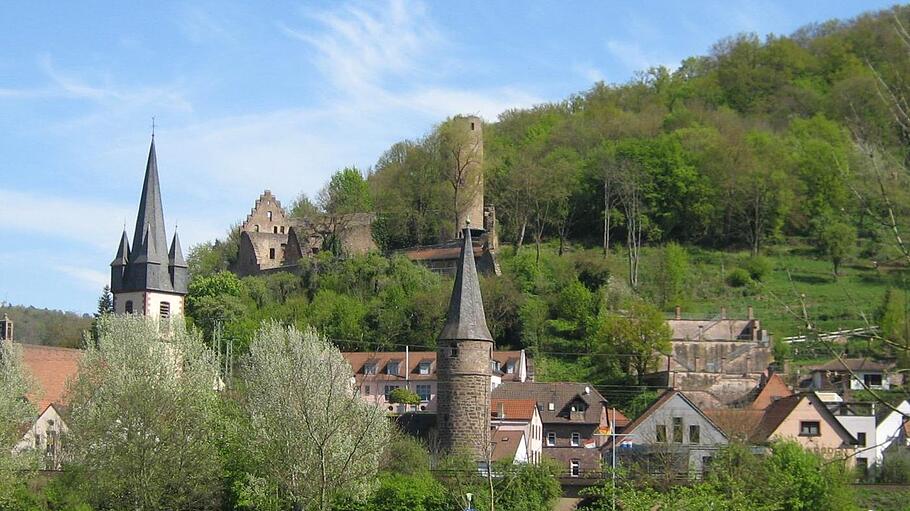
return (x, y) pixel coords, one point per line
(465, 348)
(469, 142)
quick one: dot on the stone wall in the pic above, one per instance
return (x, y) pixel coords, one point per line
(267, 215)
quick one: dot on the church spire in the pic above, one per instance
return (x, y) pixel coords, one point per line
(466, 320)
(123, 251)
(149, 239)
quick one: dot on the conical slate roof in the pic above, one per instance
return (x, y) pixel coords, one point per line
(175, 257)
(149, 239)
(466, 320)
(123, 251)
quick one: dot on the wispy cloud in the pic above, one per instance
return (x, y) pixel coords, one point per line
(635, 58)
(91, 279)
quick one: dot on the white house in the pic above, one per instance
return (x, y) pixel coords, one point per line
(890, 429)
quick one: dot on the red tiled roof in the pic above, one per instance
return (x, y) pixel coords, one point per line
(774, 389)
(50, 367)
(620, 418)
(513, 408)
(358, 360)
(736, 422)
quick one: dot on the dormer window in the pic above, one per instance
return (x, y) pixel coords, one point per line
(551, 406)
(392, 368)
(510, 367)
(579, 406)
(424, 367)
(369, 368)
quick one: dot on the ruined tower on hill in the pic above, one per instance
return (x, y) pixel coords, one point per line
(147, 277)
(465, 142)
(464, 352)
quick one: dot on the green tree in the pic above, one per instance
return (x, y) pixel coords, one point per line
(346, 192)
(16, 415)
(638, 335)
(317, 439)
(404, 396)
(672, 276)
(836, 240)
(142, 418)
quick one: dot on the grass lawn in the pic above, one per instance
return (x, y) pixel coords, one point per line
(883, 498)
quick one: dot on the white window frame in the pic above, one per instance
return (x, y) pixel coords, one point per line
(574, 468)
(576, 439)
(551, 439)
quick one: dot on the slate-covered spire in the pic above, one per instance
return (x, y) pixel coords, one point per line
(466, 320)
(149, 239)
(175, 256)
(123, 251)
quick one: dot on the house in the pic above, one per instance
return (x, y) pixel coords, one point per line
(772, 388)
(717, 360)
(891, 429)
(807, 420)
(672, 438)
(379, 373)
(836, 375)
(859, 420)
(574, 418)
(51, 368)
(523, 416)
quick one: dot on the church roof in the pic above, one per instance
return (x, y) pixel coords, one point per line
(123, 251)
(175, 257)
(466, 319)
(149, 239)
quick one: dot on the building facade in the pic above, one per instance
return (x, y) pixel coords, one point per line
(147, 277)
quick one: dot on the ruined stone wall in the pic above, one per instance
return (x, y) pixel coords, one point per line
(463, 410)
(267, 215)
(730, 357)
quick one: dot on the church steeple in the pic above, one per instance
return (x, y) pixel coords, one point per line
(147, 277)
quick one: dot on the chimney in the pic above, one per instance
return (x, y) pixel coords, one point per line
(678, 312)
(750, 314)
(701, 331)
(723, 313)
(502, 410)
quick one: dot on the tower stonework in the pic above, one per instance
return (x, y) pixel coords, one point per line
(464, 353)
(469, 142)
(148, 277)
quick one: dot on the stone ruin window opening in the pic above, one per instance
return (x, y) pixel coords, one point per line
(282, 229)
(256, 228)
(271, 253)
(275, 230)
(269, 215)
(472, 126)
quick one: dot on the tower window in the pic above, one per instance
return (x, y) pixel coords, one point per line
(165, 310)
(472, 126)
(453, 352)
(128, 307)
(271, 253)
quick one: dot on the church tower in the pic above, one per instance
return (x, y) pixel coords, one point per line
(464, 351)
(147, 277)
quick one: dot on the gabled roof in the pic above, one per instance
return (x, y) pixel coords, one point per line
(50, 367)
(778, 412)
(512, 409)
(358, 359)
(505, 444)
(465, 319)
(736, 422)
(562, 395)
(773, 389)
(853, 364)
(659, 403)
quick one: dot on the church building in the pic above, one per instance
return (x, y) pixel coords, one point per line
(147, 277)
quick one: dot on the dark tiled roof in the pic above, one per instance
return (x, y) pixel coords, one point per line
(562, 395)
(505, 444)
(659, 403)
(465, 319)
(853, 364)
(175, 256)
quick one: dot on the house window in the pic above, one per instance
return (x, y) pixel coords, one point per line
(809, 428)
(872, 380)
(677, 430)
(129, 307)
(862, 439)
(694, 434)
(388, 391)
(551, 439)
(661, 432)
(423, 368)
(392, 368)
(423, 390)
(862, 466)
(494, 365)
(369, 368)
(165, 310)
(574, 468)
(551, 406)
(576, 439)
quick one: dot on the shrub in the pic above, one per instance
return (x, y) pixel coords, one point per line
(404, 396)
(758, 267)
(739, 278)
(895, 468)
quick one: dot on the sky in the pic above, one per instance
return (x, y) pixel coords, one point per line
(278, 95)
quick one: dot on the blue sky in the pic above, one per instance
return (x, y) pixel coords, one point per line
(278, 95)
